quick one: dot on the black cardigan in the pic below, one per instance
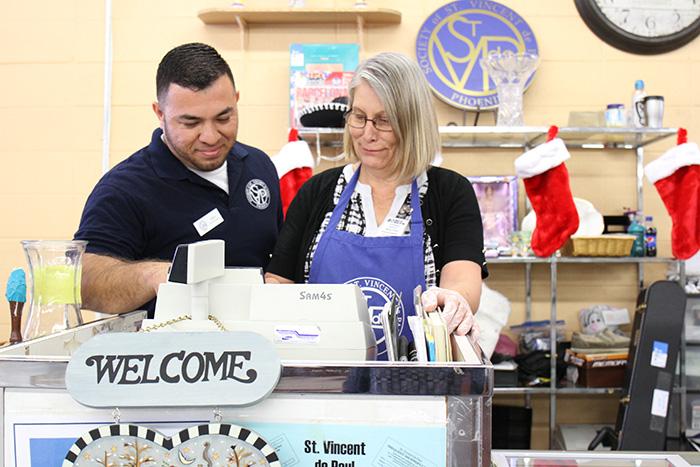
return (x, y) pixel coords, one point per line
(450, 216)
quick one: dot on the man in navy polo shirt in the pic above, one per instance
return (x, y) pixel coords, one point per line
(193, 182)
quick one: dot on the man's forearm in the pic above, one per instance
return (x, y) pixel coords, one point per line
(113, 285)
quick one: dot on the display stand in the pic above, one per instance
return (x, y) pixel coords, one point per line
(399, 413)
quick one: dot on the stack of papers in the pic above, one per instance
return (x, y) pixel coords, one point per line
(430, 336)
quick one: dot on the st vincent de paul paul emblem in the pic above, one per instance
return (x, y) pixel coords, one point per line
(456, 36)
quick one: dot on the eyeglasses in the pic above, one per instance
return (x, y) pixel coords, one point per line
(359, 121)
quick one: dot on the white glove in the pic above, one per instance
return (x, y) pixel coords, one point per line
(455, 310)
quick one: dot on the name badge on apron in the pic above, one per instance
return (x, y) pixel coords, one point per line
(395, 227)
(208, 221)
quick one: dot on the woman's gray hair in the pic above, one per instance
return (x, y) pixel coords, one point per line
(405, 94)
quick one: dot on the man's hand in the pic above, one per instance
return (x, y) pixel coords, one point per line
(114, 285)
(455, 309)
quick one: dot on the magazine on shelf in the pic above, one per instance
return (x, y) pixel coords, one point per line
(318, 74)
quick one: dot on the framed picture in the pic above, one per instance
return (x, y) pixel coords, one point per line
(498, 204)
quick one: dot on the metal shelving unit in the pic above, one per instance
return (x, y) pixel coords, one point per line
(522, 138)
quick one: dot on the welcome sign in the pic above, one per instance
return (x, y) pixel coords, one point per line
(456, 36)
(173, 369)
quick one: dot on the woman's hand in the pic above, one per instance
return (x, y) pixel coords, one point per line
(455, 309)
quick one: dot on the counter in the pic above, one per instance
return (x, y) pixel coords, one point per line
(390, 414)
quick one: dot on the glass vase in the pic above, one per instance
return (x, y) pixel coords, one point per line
(55, 272)
(510, 72)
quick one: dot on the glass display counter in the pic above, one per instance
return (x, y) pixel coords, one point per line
(324, 413)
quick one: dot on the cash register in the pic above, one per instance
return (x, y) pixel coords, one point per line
(304, 321)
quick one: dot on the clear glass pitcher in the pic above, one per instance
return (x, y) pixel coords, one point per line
(55, 271)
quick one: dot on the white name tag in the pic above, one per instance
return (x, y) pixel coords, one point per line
(207, 222)
(395, 227)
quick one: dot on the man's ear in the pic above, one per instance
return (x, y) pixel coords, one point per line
(159, 113)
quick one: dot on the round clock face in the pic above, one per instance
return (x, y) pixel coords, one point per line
(642, 26)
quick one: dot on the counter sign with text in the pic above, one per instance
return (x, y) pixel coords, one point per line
(173, 369)
(456, 36)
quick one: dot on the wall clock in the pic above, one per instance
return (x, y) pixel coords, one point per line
(642, 26)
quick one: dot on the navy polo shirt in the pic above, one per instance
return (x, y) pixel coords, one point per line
(147, 205)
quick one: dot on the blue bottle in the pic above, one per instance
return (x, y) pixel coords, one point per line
(638, 230)
(650, 236)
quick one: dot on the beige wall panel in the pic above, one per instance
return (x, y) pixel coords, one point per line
(42, 217)
(83, 9)
(692, 98)
(88, 40)
(136, 11)
(561, 84)
(472, 162)
(148, 39)
(134, 84)
(36, 40)
(13, 257)
(278, 37)
(27, 11)
(69, 128)
(555, 114)
(52, 85)
(580, 44)
(252, 81)
(131, 130)
(50, 173)
(273, 120)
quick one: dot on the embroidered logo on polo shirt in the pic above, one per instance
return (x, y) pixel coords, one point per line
(258, 194)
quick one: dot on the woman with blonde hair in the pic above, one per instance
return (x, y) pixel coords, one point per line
(389, 220)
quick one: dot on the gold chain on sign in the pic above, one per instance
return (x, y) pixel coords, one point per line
(181, 318)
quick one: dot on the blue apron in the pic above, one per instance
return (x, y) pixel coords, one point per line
(381, 266)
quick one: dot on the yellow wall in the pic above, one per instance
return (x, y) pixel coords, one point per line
(51, 115)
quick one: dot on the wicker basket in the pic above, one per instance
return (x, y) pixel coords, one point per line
(600, 245)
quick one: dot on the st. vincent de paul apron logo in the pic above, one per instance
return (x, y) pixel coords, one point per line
(456, 36)
(378, 293)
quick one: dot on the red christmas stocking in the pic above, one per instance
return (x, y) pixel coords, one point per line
(676, 176)
(290, 184)
(294, 164)
(547, 185)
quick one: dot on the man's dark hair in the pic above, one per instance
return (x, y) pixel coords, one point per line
(193, 66)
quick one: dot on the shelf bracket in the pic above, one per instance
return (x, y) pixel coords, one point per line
(241, 30)
(360, 32)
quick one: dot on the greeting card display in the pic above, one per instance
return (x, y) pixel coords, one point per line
(319, 73)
